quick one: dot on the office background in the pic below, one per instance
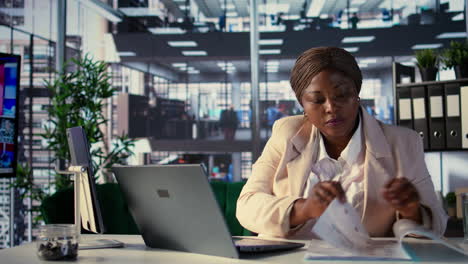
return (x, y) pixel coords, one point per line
(190, 60)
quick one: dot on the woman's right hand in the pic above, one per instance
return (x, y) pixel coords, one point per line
(321, 196)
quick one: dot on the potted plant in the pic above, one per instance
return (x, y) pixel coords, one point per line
(427, 63)
(451, 201)
(78, 98)
(456, 56)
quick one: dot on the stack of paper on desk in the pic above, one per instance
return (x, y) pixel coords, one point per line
(344, 237)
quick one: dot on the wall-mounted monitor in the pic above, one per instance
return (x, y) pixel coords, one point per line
(9, 95)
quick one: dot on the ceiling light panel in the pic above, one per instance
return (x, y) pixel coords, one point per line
(269, 51)
(182, 43)
(194, 53)
(223, 64)
(179, 64)
(272, 62)
(165, 31)
(315, 8)
(358, 39)
(273, 9)
(126, 53)
(368, 61)
(351, 49)
(448, 35)
(229, 6)
(427, 46)
(270, 42)
(358, 2)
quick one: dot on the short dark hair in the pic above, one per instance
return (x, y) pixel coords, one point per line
(315, 60)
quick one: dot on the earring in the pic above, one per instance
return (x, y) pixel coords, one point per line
(305, 114)
(358, 99)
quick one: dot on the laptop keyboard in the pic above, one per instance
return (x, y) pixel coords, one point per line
(260, 245)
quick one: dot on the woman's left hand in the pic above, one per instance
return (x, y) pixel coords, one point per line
(403, 197)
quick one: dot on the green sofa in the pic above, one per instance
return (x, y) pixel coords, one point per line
(58, 208)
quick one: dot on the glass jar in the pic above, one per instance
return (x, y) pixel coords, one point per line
(57, 242)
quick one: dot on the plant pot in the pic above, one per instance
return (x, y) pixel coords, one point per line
(428, 74)
(452, 211)
(461, 71)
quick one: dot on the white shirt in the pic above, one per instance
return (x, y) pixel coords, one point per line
(348, 169)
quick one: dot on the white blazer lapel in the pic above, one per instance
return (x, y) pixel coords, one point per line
(377, 171)
(299, 168)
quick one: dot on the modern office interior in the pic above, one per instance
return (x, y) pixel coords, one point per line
(176, 69)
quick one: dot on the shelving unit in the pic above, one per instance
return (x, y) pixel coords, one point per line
(446, 157)
(433, 109)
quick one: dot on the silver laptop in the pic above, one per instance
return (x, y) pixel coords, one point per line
(174, 208)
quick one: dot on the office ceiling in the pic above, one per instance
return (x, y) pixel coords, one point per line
(214, 8)
(153, 51)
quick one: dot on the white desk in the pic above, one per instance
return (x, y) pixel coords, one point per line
(136, 252)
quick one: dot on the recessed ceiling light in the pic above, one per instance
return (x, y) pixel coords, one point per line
(315, 8)
(427, 46)
(194, 53)
(273, 9)
(194, 72)
(231, 14)
(358, 2)
(182, 43)
(183, 7)
(451, 35)
(270, 42)
(272, 62)
(228, 6)
(223, 64)
(179, 64)
(352, 9)
(228, 68)
(368, 61)
(351, 49)
(126, 53)
(167, 30)
(269, 51)
(358, 39)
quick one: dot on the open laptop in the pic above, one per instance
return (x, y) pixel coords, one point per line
(175, 208)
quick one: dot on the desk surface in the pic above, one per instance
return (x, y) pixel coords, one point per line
(135, 251)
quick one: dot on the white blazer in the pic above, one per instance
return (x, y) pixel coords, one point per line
(279, 175)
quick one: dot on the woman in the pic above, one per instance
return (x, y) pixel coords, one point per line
(336, 150)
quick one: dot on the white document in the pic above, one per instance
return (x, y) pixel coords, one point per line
(453, 105)
(419, 108)
(437, 109)
(344, 237)
(405, 109)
